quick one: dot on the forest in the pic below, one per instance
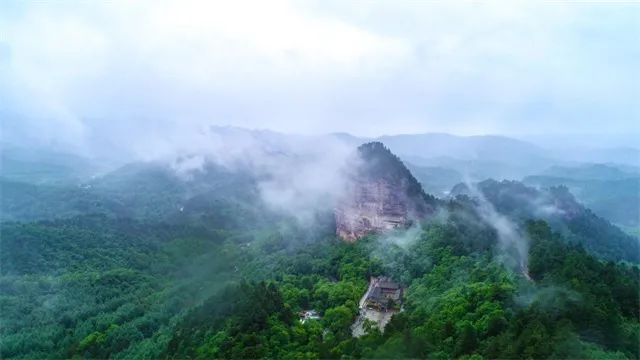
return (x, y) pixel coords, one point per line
(109, 285)
(303, 180)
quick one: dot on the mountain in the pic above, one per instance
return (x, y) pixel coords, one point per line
(502, 157)
(486, 148)
(612, 192)
(43, 167)
(477, 157)
(183, 260)
(561, 210)
(382, 194)
(436, 180)
(140, 190)
(591, 172)
(474, 157)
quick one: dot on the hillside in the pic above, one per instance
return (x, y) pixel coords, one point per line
(612, 192)
(381, 195)
(559, 207)
(319, 180)
(168, 266)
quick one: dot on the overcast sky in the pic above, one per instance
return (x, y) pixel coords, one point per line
(364, 67)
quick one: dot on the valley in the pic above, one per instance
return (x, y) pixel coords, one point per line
(148, 263)
(319, 180)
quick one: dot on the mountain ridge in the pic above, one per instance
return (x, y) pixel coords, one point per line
(382, 195)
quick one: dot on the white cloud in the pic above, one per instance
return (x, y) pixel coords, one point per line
(188, 41)
(364, 67)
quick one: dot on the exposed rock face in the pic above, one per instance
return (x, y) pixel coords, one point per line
(372, 206)
(381, 196)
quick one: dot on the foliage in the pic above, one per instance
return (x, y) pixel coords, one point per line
(225, 279)
(557, 206)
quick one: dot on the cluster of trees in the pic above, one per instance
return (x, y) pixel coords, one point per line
(226, 280)
(260, 318)
(96, 286)
(462, 303)
(610, 191)
(146, 191)
(100, 287)
(558, 206)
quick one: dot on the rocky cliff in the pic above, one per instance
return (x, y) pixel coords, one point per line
(381, 195)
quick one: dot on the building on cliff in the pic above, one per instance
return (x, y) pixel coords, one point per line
(381, 195)
(373, 206)
(382, 300)
(383, 294)
(307, 315)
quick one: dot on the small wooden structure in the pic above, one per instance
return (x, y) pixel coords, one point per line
(383, 295)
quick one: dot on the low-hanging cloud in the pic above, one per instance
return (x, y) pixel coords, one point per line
(295, 175)
(513, 246)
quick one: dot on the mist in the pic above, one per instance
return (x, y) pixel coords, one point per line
(248, 180)
(513, 246)
(299, 176)
(144, 79)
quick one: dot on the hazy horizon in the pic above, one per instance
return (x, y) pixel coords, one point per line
(319, 179)
(547, 141)
(72, 71)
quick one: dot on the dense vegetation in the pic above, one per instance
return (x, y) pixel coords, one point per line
(139, 190)
(618, 199)
(224, 279)
(559, 207)
(377, 161)
(109, 288)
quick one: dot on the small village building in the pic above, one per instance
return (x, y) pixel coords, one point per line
(383, 295)
(307, 315)
(382, 300)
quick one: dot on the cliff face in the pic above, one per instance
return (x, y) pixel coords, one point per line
(382, 195)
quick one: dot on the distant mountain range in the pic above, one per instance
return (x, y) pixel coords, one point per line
(559, 208)
(611, 191)
(495, 148)
(438, 161)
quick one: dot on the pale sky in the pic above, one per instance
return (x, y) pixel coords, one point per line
(120, 68)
